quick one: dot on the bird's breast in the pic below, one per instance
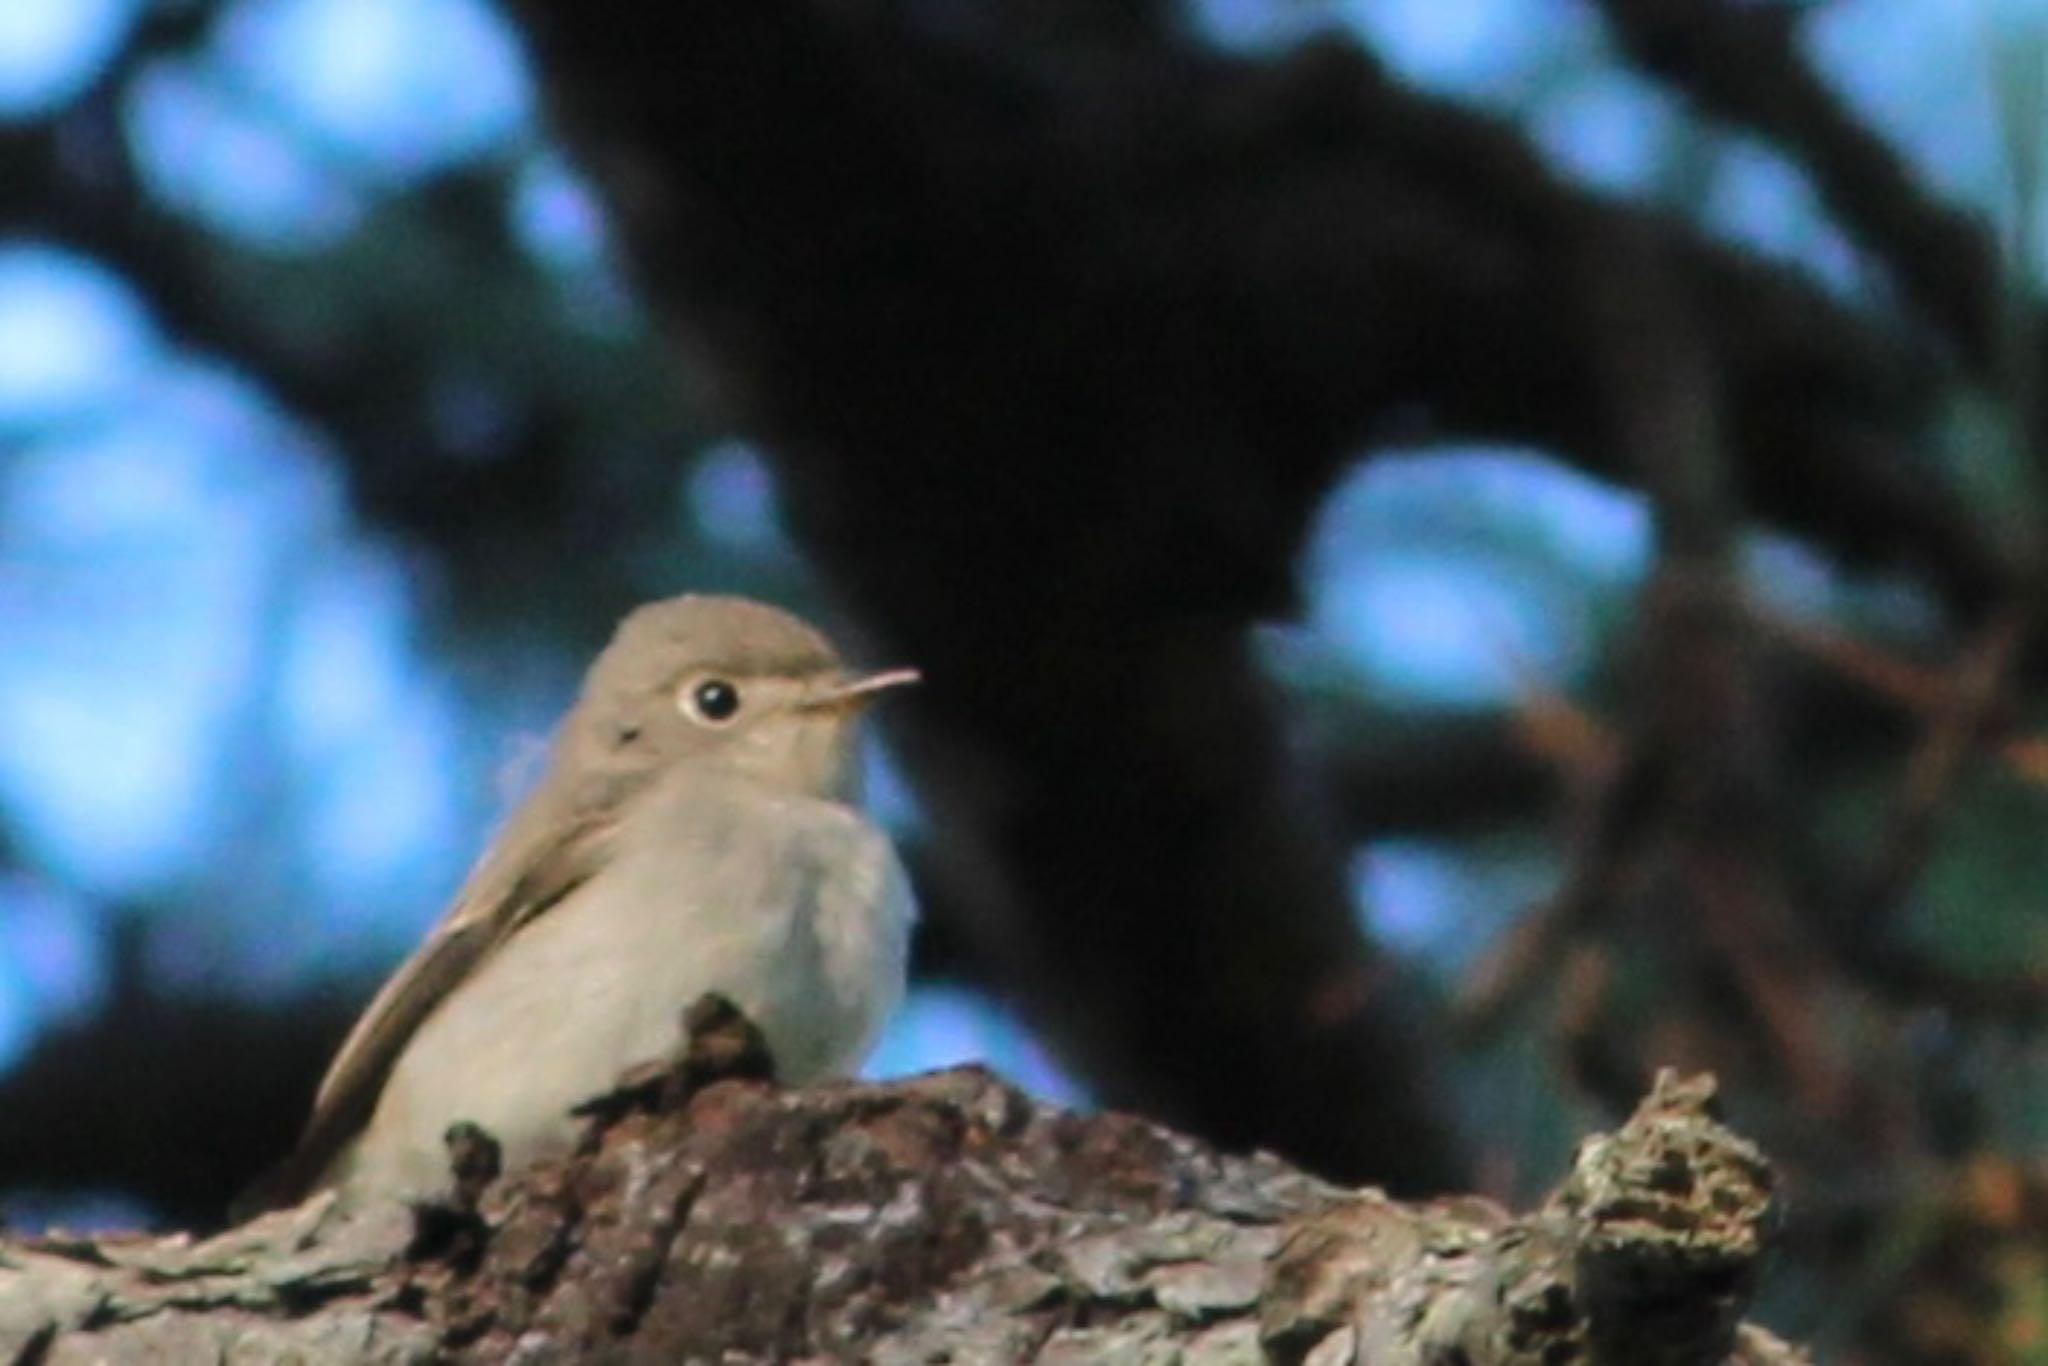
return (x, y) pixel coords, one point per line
(795, 909)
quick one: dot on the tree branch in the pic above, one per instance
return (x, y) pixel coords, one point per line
(1741, 62)
(943, 1218)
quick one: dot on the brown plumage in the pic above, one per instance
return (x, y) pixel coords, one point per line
(639, 722)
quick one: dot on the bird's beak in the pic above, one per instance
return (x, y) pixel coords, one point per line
(848, 693)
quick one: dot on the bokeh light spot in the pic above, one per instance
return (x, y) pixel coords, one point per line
(72, 335)
(50, 49)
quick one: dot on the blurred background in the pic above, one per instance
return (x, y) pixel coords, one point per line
(340, 415)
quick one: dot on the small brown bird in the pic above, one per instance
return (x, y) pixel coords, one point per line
(697, 830)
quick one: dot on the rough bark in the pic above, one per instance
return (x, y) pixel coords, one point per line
(943, 1218)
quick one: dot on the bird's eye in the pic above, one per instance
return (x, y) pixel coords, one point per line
(713, 701)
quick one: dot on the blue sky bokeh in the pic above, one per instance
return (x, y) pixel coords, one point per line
(216, 689)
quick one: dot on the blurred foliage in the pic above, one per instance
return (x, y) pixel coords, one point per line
(517, 446)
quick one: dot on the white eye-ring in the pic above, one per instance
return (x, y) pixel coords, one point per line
(711, 701)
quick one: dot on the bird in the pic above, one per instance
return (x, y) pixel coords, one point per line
(697, 829)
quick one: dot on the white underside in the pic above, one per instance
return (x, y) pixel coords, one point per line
(807, 933)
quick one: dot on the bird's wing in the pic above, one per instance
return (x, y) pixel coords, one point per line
(544, 853)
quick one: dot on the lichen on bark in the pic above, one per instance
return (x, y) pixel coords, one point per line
(947, 1217)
